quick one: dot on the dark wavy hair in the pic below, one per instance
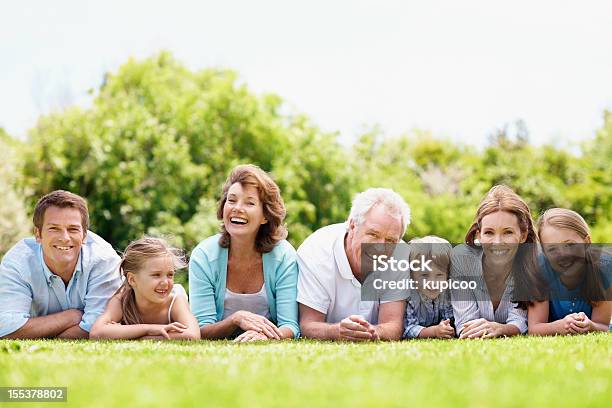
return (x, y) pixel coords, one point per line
(273, 206)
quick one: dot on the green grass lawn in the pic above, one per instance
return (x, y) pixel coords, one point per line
(560, 371)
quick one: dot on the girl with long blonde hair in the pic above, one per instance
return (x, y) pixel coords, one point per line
(148, 305)
(577, 274)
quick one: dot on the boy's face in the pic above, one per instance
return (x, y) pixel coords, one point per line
(438, 273)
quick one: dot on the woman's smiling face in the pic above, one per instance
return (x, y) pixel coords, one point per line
(499, 235)
(243, 211)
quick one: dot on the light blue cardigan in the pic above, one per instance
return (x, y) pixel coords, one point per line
(207, 282)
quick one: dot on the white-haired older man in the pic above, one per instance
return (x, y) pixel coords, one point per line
(330, 278)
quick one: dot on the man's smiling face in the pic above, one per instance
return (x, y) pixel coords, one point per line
(378, 227)
(61, 237)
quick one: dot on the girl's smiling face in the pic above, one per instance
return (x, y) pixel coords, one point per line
(155, 280)
(564, 249)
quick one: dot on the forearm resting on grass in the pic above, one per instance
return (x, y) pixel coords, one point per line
(111, 330)
(74, 332)
(48, 326)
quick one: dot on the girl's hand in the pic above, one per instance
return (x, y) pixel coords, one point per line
(250, 335)
(251, 321)
(569, 324)
(582, 324)
(163, 330)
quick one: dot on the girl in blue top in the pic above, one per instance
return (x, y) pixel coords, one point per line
(576, 275)
(243, 282)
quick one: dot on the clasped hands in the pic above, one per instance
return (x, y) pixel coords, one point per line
(255, 327)
(577, 323)
(356, 328)
(480, 329)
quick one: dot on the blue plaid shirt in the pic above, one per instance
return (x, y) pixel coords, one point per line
(423, 312)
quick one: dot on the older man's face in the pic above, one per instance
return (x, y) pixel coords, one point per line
(378, 227)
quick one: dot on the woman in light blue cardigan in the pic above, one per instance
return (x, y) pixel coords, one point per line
(243, 282)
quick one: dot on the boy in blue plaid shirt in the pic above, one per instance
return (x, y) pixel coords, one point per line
(428, 311)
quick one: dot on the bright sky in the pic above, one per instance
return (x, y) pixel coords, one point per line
(457, 68)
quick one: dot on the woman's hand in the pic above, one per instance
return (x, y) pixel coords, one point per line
(251, 321)
(250, 335)
(164, 329)
(480, 329)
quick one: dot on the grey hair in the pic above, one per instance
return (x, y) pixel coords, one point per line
(429, 239)
(393, 203)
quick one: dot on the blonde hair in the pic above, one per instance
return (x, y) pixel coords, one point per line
(432, 247)
(564, 218)
(134, 257)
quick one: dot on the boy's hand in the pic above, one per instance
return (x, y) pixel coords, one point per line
(444, 330)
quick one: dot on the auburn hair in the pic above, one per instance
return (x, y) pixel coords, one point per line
(271, 201)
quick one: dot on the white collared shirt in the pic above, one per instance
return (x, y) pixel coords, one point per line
(326, 282)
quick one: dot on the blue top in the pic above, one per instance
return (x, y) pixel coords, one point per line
(207, 282)
(29, 289)
(570, 300)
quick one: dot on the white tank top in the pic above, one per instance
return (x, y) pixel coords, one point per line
(252, 302)
(177, 290)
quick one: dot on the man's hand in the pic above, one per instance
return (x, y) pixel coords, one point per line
(75, 315)
(356, 328)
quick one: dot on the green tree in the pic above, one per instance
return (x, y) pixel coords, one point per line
(153, 151)
(14, 223)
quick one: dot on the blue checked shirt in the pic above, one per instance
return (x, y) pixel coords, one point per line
(29, 289)
(422, 312)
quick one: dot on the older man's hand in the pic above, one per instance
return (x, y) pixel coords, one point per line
(356, 328)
